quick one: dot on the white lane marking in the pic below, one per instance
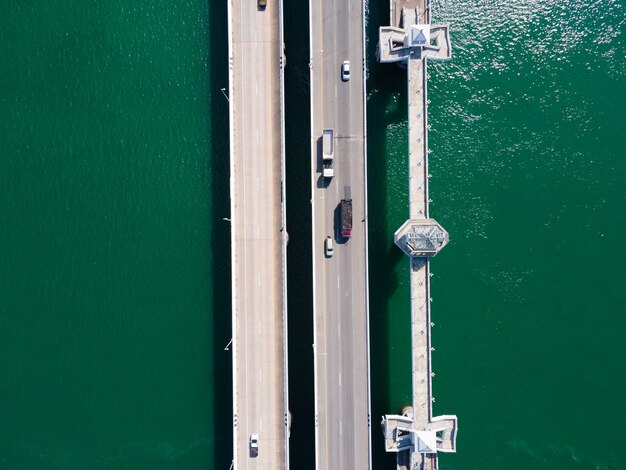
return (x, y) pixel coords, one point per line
(335, 90)
(340, 379)
(341, 428)
(339, 330)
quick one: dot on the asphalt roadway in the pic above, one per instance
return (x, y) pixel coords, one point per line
(256, 219)
(340, 294)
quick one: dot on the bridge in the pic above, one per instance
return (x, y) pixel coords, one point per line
(258, 235)
(340, 281)
(261, 420)
(414, 434)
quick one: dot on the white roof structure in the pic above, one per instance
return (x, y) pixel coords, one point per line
(418, 35)
(421, 237)
(424, 442)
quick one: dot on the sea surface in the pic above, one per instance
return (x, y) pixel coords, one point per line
(114, 255)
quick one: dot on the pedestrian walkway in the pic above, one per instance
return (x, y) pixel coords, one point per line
(415, 434)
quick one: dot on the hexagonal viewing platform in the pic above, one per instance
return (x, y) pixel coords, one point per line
(420, 238)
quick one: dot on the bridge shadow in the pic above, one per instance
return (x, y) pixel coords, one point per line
(220, 235)
(299, 255)
(386, 108)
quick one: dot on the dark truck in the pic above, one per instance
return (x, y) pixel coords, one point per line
(346, 217)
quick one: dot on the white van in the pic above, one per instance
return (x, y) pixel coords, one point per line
(329, 249)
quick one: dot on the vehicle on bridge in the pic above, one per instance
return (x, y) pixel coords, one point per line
(328, 247)
(346, 217)
(262, 3)
(327, 153)
(345, 70)
(254, 445)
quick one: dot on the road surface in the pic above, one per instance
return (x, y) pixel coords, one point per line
(259, 380)
(340, 283)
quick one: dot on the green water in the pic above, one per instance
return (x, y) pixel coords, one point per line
(107, 306)
(528, 176)
(114, 281)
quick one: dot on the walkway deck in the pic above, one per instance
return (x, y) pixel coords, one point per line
(416, 435)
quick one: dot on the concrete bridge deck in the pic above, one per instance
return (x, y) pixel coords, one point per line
(340, 282)
(258, 235)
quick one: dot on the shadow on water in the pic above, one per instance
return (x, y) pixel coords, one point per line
(383, 279)
(384, 82)
(220, 170)
(299, 262)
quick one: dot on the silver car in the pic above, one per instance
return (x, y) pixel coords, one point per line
(345, 70)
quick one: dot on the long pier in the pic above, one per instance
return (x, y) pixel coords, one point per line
(258, 235)
(415, 435)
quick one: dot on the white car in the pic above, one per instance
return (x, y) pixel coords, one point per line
(328, 247)
(345, 70)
